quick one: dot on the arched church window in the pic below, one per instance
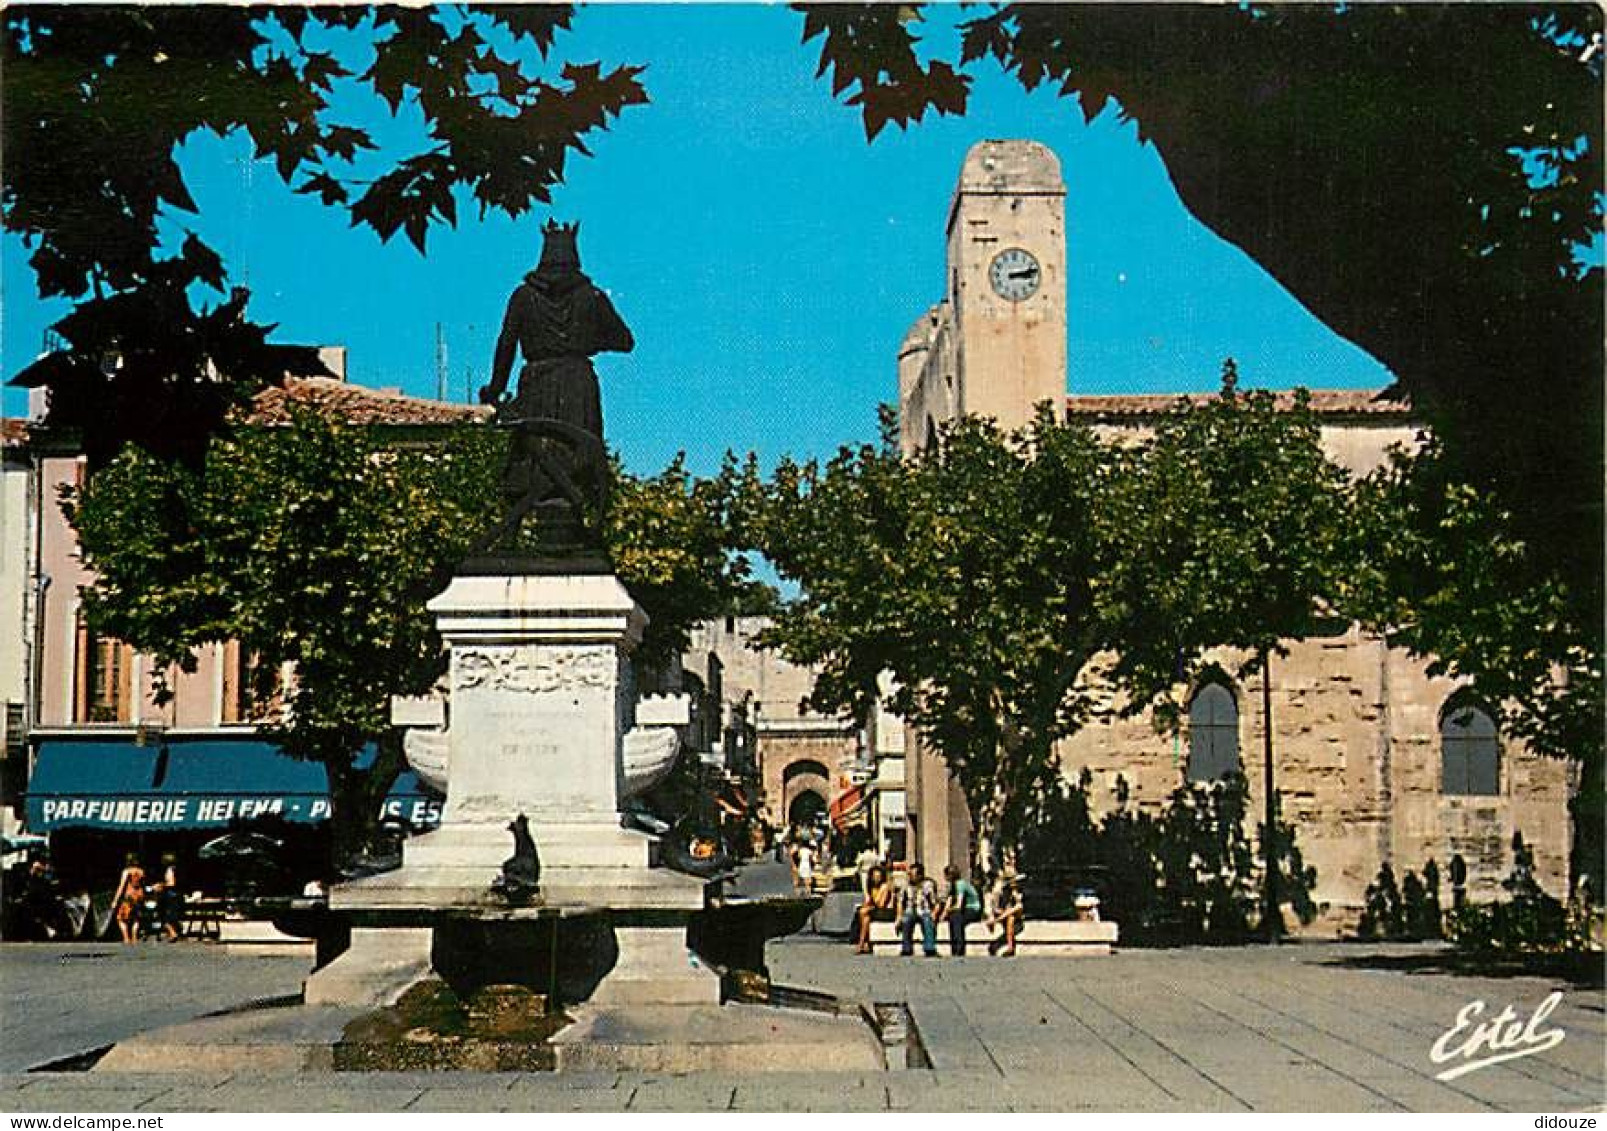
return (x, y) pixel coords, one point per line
(1213, 733)
(1470, 755)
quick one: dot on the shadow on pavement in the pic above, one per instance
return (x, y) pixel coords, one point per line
(1580, 971)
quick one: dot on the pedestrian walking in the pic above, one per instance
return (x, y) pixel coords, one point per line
(918, 905)
(170, 899)
(806, 867)
(129, 899)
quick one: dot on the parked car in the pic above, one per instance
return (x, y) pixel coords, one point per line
(253, 866)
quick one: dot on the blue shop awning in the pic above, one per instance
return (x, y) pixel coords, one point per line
(203, 783)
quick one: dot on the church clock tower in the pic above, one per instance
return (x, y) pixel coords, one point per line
(1007, 281)
(994, 346)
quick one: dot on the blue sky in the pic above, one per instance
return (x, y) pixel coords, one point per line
(766, 257)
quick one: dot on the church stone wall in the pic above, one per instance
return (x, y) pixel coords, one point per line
(1360, 448)
(1355, 725)
(1356, 754)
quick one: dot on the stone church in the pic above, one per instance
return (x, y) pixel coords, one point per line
(1377, 762)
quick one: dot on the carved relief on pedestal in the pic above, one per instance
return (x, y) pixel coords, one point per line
(533, 670)
(647, 756)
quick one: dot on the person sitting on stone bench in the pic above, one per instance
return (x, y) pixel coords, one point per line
(962, 906)
(1007, 916)
(917, 903)
(877, 907)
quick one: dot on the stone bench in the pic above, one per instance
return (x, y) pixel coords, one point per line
(1037, 937)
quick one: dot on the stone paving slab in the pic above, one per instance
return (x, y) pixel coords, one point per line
(812, 1093)
(1298, 1027)
(1415, 1011)
(56, 996)
(949, 1035)
(692, 1092)
(299, 1093)
(1293, 1028)
(87, 1101)
(1155, 1056)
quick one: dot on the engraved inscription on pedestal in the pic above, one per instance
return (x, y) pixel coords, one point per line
(548, 714)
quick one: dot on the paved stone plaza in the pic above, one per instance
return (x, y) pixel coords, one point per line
(1304, 1027)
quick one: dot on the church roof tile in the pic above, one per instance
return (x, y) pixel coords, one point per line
(1324, 402)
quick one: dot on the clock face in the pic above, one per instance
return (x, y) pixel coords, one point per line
(1014, 274)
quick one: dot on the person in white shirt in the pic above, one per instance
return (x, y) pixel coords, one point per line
(806, 866)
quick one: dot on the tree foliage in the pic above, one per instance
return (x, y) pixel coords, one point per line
(870, 51)
(668, 537)
(1409, 912)
(1230, 530)
(965, 572)
(316, 544)
(99, 98)
(313, 544)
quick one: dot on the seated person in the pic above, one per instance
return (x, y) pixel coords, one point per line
(877, 907)
(1007, 916)
(962, 906)
(917, 906)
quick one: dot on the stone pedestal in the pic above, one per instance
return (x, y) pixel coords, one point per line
(376, 970)
(656, 968)
(541, 697)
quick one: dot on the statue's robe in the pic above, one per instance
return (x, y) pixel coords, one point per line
(556, 323)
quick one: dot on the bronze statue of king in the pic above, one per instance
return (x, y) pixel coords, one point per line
(557, 318)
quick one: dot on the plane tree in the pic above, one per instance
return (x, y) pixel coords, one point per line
(965, 572)
(1018, 586)
(316, 544)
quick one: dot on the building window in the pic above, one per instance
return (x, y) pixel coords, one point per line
(1213, 733)
(251, 693)
(103, 678)
(1470, 756)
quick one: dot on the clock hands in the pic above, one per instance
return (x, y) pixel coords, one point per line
(1015, 274)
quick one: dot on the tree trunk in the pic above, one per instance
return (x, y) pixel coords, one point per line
(351, 823)
(1271, 916)
(1589, 863)
(355, 799)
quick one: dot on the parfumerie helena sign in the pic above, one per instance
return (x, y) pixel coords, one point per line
(193, 783)
(193, 812)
